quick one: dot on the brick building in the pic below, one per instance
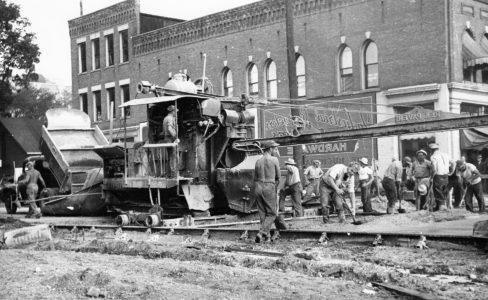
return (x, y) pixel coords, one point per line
(399, 53)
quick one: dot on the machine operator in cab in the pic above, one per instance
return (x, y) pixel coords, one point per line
(170, 135)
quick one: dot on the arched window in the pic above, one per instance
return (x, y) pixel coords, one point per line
(271, 80)
(252, 80)
(345, 69)
(371, 65)
(301, 80)
(227, 84)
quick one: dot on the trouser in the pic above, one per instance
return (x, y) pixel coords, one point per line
(440, 189)
(265, 193)
(295, 190)
(390, 191)
(419, 199)
(477, 191)
(328, 196)
(455, 182)
(312, 187)
(32, 190)
(171, 157)
(365, 196)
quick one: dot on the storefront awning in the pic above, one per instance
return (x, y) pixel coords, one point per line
(473, 53)
(474, 139)
(417, 136)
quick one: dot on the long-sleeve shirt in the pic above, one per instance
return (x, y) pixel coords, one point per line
(267, 169)
(169, 126)
(394, 171)
(440, 163)
(292, 175)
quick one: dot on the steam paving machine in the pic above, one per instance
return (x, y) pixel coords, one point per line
(210, 175)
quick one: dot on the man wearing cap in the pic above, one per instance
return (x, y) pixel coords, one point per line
(32, 177)
(365, 176)
(391, 183)
(292, 187)
(266, 178)
(472, 177)
(440, 172)
(170, 135)
(338, 180)
(312, 179)
(421, 171)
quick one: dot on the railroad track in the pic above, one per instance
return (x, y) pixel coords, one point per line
(333, 236)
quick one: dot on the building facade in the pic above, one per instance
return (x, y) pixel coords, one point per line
(406, 52)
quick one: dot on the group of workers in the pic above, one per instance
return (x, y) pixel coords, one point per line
(431, 181)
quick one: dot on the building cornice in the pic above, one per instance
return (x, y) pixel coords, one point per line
(123, 12)
(226, 22)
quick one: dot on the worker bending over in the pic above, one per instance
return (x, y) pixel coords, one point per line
(293, 187)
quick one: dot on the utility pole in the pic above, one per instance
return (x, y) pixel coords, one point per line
(292, 75)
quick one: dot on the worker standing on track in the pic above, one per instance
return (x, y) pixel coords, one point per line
(312, 180)
(365, 176)
(472, 177)
(293, 187)
(32, 177)
(266, 178)
(440, 169)
(391, 183)
(422, 172)
(170, 135)
(338, 180)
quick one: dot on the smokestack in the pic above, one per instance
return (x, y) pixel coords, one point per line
(81, 7)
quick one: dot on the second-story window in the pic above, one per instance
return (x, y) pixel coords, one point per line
(345, 70)
(97, 106)
(124, 45)
(95, 46)
(109, 50)
(82, 57)
(371, 65)
(271, 80)
(301, 79)
(110, 102)
(125, 97)
(227, 83)
(252, 79)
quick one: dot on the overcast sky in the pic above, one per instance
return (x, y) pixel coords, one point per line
(49, 19)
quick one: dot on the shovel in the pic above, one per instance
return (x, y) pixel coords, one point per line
(346, 206)
(400, 209)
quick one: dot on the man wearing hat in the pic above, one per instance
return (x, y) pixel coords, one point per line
(472, 177)
(338, 180)
(365, 176)
(440, 172)
(170, 135)
(312, 179)
(421, 170)
(293, 187)
(266, 178)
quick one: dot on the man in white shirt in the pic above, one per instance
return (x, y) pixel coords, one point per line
(440, 170)
(312, 180)
(293, 187)
(365, 176)
(338, 180)
(472, 177)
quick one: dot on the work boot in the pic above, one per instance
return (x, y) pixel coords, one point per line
(342, 217)
(17, 203)
(259, 238)
(276, 235)
(325, 215)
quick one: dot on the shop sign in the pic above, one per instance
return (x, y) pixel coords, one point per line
(417, 115)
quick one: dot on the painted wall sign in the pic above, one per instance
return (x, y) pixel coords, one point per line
(323, 116)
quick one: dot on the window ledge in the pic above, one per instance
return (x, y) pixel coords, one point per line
(96, 70)
(82, 73)
(123, 63)
(370, 90)
(110, 67)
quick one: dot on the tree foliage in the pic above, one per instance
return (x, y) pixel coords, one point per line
(33, 103)
(18, 52)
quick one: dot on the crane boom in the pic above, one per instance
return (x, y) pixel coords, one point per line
(376, 131)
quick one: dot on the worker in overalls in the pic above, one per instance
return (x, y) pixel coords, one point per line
(32, 177)
(170, 135)
(293, 187)
(266, 178)
(312, 180)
